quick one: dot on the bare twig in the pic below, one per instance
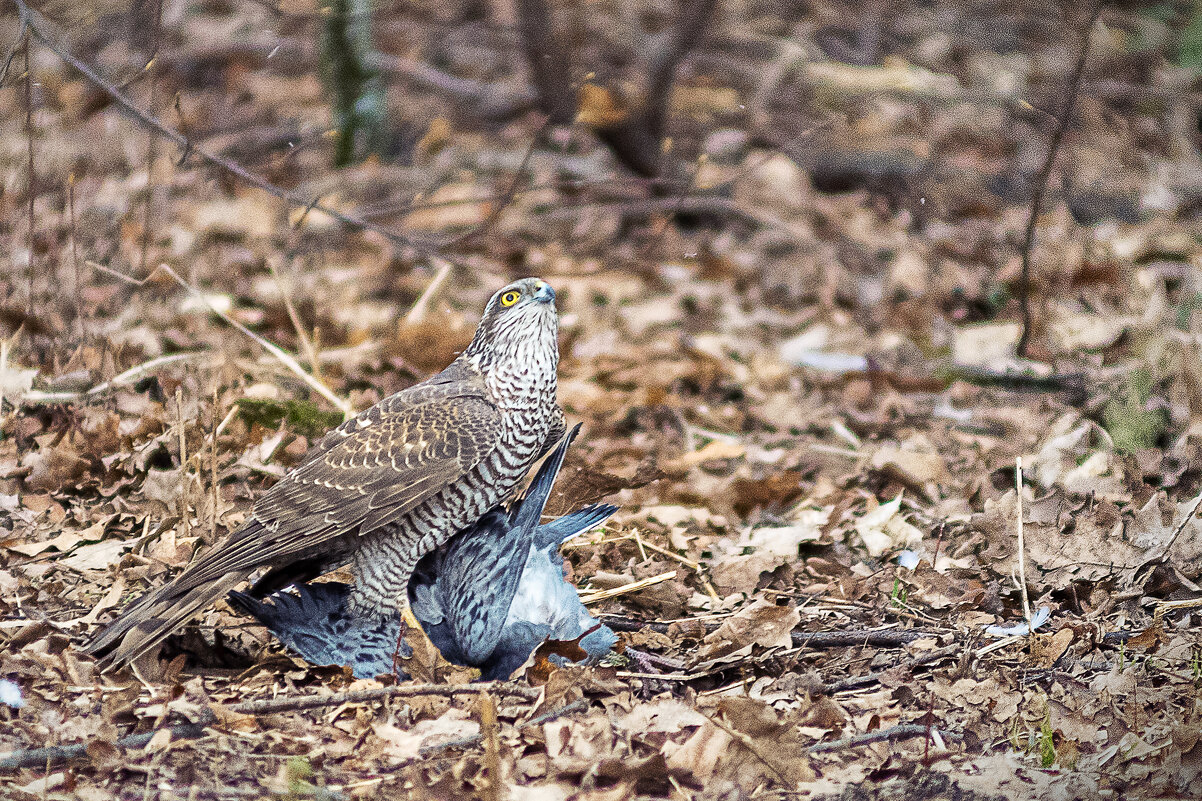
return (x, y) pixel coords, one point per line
(152, 142)
(489, 101)
(879, 638)
(41, 757)
(1181, 526)
(900, 732)
(58, 754)
(298, 703)
(872, 678)
(305, 341)
(185, 481)
(625, 589)
(32, 189)
(22, 32)
(83, 330)
(214, 494)
(422, 305)
(130, 376)
(1022, 549)
(702, 203)
(3, 370)
(1041, 182)
(507, 197)
(279, 353)
(40, 30)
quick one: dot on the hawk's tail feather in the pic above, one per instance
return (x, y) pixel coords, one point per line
(153, 618)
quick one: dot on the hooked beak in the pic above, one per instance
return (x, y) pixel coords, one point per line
(543, 292)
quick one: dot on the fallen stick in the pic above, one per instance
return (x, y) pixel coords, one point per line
(130, 376)
(57, 754)
(872, 678)
(35, 24)
(887, 638)
(899, 732)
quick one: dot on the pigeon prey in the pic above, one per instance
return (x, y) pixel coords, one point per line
(389, 485)
(486, 599)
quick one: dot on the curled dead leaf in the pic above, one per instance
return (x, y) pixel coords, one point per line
(763, 623)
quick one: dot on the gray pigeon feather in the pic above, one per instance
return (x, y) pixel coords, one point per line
(486, 598)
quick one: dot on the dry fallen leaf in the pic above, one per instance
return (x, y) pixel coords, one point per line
(763, 623)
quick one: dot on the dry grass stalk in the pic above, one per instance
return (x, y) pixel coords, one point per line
(625, 589)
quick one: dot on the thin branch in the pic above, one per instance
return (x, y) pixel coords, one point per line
(1041, 182)
(1181, 527)
(872, 678)
(879, 638)
(302, 702)
(22, 32)
(58, 754)
(152, 141)
(900, 732)
(1022, 547)
(507, 197)
(31, 189)
(79, 316)
(634, 586)
(4, 345)
(283, 356)
(37, 26)
(130, 376)
(306, 341)
(55, 755)
(417, 313)
(495, 102)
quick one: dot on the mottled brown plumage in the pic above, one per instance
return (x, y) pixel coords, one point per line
(389, 485)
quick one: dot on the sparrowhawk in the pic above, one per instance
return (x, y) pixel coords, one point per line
(486, 598)
(389, 485)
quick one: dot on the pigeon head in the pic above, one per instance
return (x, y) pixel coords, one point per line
(519, 331)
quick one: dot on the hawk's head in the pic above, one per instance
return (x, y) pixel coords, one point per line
(520, 328)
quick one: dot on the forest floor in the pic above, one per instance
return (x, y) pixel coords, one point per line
(797, 379)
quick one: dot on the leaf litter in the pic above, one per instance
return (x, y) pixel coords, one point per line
(781, 408)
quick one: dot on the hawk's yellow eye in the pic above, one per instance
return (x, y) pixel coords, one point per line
(509, 298)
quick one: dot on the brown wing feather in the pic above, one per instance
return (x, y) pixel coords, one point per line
(365, 474)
